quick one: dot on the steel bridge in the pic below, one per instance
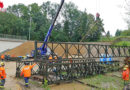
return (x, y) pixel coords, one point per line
(83, 50)
(66, 70)
(77, 61)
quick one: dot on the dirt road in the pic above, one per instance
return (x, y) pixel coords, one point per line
(13, 83)
(70, 86)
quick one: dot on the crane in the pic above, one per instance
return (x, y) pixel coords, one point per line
(43, 49)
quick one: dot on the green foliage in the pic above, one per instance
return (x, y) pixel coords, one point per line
(72, 24)
(107, 82)
(123, 43)
(108, 34)
(11, 24)
(125, 33)
(46, 85)
(118, 32)
(106, 39)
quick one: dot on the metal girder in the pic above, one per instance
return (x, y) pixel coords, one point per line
(82, 50)
(66, 70)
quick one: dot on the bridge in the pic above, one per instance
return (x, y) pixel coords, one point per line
(83, 50)
(78, 60)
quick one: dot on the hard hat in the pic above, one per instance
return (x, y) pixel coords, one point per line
(26, 63)
(124, 68)
(2, 64)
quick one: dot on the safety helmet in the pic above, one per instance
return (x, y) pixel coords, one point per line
(126, 66)
(26, 63)
(2, 64)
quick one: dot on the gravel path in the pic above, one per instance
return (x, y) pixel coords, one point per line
(13, 83)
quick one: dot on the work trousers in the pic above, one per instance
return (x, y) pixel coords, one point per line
(2, 82)
(26, 79)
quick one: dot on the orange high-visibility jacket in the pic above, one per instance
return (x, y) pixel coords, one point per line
(2, 73)
(50, 57)
(2, 56)
(125, 75)
(26, 71)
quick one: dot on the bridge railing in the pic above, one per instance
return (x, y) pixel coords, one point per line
(83, 50)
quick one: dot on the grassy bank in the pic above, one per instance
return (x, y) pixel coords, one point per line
(110, 81)
(109, 39)
(123, 43)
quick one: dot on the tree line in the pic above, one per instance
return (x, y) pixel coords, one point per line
(71, 26)
(127, 20)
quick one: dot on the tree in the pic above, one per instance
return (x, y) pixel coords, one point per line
(118, 32)
(71, 25)
(108, 33)
(11, 24)
(125, 33)
(95, 28)
(71, 16)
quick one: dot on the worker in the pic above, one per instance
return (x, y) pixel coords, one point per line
(2, 74)
(71, 60)
(26, 72)
(55, 58)
(2, 57)
(126, 66)
(125, 75)
(50, 59)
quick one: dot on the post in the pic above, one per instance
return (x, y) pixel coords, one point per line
(30, 27)
(89, 51)
(35, 53)
(66, 50)
(30, 22)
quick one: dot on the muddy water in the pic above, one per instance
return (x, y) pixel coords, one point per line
(70, 86)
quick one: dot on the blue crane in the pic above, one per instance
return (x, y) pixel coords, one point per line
(43, 48)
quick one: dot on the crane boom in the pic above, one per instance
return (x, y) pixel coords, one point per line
(44, 46)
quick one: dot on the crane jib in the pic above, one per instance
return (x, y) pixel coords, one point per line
(51, 27)
(46, 38)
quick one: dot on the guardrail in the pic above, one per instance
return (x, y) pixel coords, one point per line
(6, 36)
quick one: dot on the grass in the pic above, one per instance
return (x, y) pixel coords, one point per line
(108, 39)
(106, 82)
(105, 39)
(123, 43)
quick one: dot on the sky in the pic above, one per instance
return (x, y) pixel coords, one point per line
(111, 11)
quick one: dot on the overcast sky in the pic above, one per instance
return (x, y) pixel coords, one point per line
(111, 11)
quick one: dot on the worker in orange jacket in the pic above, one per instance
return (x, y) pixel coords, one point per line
(26, 72)
(126, 66)
(2, 57)
(50, 58)
(125, 75)
(2, 74)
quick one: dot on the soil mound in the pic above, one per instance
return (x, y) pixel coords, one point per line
(22, 50)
